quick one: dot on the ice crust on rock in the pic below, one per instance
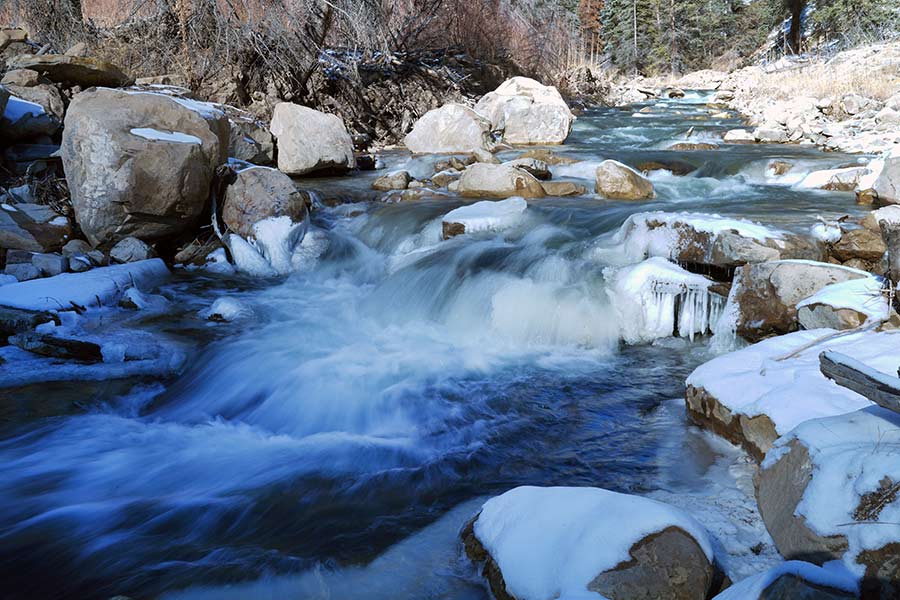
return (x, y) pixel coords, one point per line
(752, 587)
(270, 251)
(488, 215)
(657, 298)
(165, 136)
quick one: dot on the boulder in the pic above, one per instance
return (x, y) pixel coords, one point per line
(536, 167)
(739, 136)
(482, 180)
(24, 120)
(861, 244)
(259, 193)
(527, 112)
(55, 346)
(129, 250)
(766, 294)
(17, 320)
(845, 305)
(450, 128)
(779, 167)
(620, 182)
(841, 180)
(709, 244)
(770, 135)
(445, 178)
(309, 140)
(21, 77)
(50, 264)
(547, 543)
(793, 580)
(72, 70)
(32, 227)
(249, 140)
(887, 184)
(398, 180)
(44, 95)
(140, 164)
(563, 188)
(828, 491)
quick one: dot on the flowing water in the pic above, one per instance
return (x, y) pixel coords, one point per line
(332, 443)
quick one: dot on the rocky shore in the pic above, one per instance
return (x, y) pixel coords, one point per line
(120, 182)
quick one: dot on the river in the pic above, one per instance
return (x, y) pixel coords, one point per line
(332, 443)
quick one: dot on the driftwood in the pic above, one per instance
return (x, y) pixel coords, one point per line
(880, 388)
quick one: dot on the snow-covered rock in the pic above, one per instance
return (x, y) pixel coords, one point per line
(657, 299)
(793, 580)
(844, 180)
(103, 285)
(527, 112)
(620, 182)
(569, 542)
(887, 184)
(140, 164)
(482, 180)
(271, 248)
(707, 240)
(487, 215)
(310, 140)
(765, 296)
(750, 398)
(739, 136)
(260, 193)
(450, 128)
(226, 309)
(829, 490)
(845, 305)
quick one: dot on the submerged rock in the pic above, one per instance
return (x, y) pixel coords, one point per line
(482, 180)
(140, 164)
(547, 543)
(527, 112)
(620, 182)
(539, 169)
(399, 180)
(450, 128)
(310, 140)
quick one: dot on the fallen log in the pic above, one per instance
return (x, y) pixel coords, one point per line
(880, 388)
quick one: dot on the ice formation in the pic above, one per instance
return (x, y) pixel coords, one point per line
(488, 215)
(270, 250)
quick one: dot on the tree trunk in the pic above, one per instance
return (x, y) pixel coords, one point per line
(795, 33)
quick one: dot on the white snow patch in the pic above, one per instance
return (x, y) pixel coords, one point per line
(217, 262)
(649, 296)
(552, 542)
(826, 177)
(753, 587)
(207, 110)
(101, 286)
(166, 136)
(9, 208)
(270, 250)
(488, 215)
(826, 232)
(16, 108)
(862, 295)
(851, 455)
(750, 382)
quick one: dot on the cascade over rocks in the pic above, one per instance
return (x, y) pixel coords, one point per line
(259, 193)
(140, 164)
(450, 128)
(482, 180)
(620, 182)
(527, 112)
(309, 140)
(546, 543)
(766, 294)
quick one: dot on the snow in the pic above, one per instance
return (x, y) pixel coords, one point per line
(648, 296)
(16, 108)
(851, 455)
(8, 208)
(750, 382)
(217, 262)
(207, 110)
(488, 215)
(823, 178)
(640, 241)
(7, 279)
(753, 587)
(551, 542)
(225, 309)
(875, 167)
(166, 136)
(889, 214)
(101, 286)
(863, 295)
(270, 251)
(826, 232)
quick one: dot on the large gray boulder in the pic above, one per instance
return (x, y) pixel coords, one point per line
(626, 547)
(309, 140)
(887, 185)
(527, 112)
(620, 182)
(482, 180)
(140, 164)
(452, 128)
(259, 193)
(766, 294)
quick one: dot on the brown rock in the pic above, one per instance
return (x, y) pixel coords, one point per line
(21, 77)
(563, 188)
(259, 193)
(620, 182)
(863, 244)
(482, 180)
(393, 181)
(549, 157)
(755, 434)
(676, 167)
(73, 70)
(692, 146)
